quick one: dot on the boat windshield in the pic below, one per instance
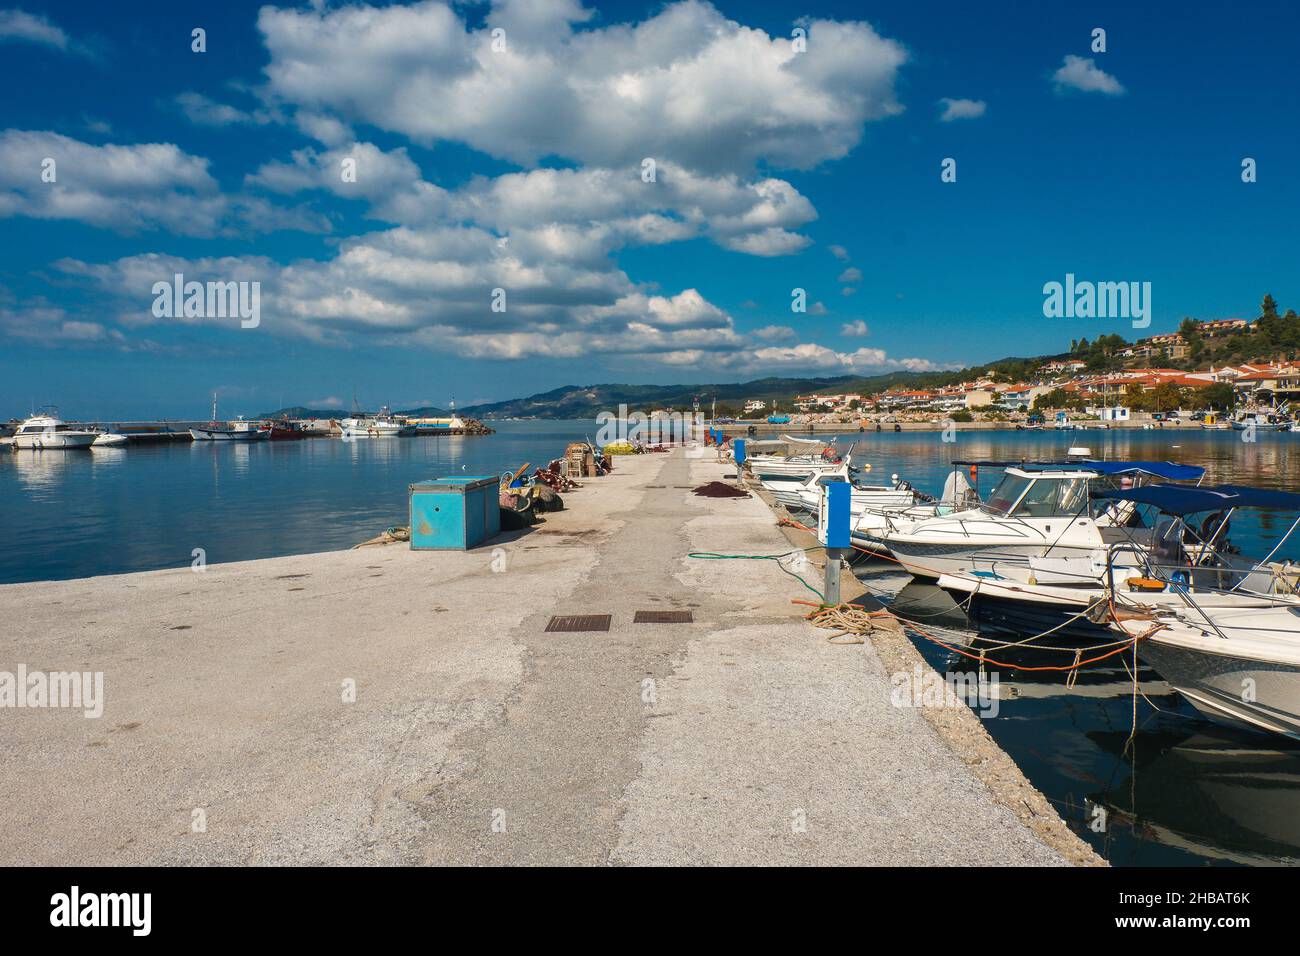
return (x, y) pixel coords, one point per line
(1037, 497)
(1004, 497)
(1049, 497)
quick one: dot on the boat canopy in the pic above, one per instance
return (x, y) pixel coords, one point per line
(1183, 499)
(1160, 469)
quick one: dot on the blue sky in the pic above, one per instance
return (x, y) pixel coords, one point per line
(520, 169)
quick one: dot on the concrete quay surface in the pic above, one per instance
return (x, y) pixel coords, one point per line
(475, 737)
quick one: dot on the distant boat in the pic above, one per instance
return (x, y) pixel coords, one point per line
(1261, 422)
(383, 425)
(110, 439)
(238, 430)
(49, 431)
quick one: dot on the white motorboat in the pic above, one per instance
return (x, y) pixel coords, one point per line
(796, 466)
(868, 526)
(807, 495)
(789, 466)
(1222, 632)
(1237, 665)
(109, 439)
(1071, 599)
(51, 432)
(1036, 509)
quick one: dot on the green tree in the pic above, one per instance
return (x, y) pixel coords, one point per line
(1190, 330)
(1220, 396)
(1166, 397)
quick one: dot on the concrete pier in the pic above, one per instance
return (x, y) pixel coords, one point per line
(228, 734)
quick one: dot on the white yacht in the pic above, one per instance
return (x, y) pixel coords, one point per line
(49, 431)
(1041, 509)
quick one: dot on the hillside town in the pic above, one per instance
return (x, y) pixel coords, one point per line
(1192, 376)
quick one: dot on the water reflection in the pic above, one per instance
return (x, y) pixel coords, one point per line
(43, 470)
(1161, 786)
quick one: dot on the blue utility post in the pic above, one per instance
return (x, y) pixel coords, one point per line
(835, 533)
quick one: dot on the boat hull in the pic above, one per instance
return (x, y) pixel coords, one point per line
(225, 434)
(1213, 683)
(930, 560)
(55, 441)
(989, 612)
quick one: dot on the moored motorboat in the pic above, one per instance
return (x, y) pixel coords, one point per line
(1036, 509)
(1236, 665)
(50, 432)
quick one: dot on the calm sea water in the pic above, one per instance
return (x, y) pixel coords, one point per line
(144, 507)
(1184, 791)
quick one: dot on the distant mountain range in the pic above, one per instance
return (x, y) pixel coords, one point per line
(586, 401)
(298, 411)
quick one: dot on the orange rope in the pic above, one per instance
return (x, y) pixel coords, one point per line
(790, 522)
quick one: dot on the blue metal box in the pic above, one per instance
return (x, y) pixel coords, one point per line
(454, 514)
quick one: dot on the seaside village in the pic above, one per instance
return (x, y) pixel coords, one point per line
(1066, 390)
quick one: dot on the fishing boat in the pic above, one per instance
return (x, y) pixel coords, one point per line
(1037, 509)
(383, 425)
(1261, 422)
(48, 431)
(237, 430)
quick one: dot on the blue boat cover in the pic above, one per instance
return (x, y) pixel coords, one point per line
(1160, 469)
(1185, 499)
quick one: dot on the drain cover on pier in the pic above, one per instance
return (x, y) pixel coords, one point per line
(663, 617)
(579, 622)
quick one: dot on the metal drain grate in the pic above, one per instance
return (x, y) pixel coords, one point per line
(663, 617)
(578, 622)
